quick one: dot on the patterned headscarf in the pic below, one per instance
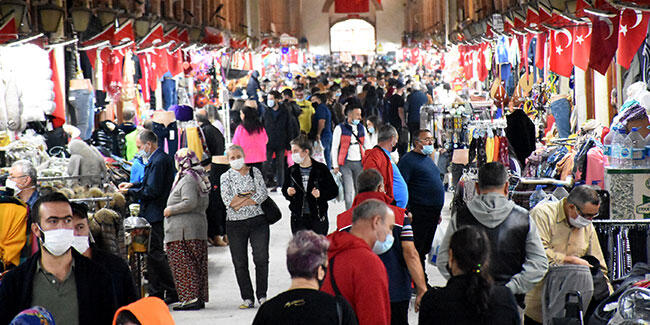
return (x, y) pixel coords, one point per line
(187, 163)
(33, 316)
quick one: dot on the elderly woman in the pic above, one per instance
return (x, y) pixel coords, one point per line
(303, 303)
(186, 236)
(242, 191)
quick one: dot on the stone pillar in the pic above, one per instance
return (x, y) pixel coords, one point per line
(253, 18)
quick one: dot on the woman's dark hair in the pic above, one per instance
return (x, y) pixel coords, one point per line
(374, 119)
(470, 248)
(125, 317)
(251, 121)
(303, 142)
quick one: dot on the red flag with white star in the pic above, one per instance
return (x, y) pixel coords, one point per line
(632, 30)
(560, 50)
(581, 45)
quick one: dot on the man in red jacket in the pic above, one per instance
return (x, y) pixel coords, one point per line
(355, 271)
(379, 158)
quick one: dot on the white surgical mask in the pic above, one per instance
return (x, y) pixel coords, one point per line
(579, 222)
(270, 103)
(12, 185)
(382, 247)
(57, 241)
(237, 164)
(80, 243)
(297, 158)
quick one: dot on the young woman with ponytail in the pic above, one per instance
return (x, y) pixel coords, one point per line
(469, 297)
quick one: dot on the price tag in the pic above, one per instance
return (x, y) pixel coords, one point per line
(172, 135)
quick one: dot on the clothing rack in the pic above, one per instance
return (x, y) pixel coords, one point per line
(93, 199)
(67, 178)
(615, 236)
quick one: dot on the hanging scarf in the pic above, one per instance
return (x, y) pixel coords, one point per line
(187, 163)
(35, 315)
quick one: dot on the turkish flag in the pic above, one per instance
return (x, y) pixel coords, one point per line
(581, 46)
(153, 37)
(560, 51)
(123, 34)
(539, 50)
(481, 69)
(532, 17)
(545, 13)
(59, 94)
(351, 6)
(8, 30)
(581, 5)
(604, 40)
(632, 30)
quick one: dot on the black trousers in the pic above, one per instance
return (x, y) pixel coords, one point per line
(530, 321)
(424, 223)
(255, 230)
(399, 312)
(275, 167)
(309, 222)
(161, 281)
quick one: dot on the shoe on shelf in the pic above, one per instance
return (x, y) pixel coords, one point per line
(213, 241)
(194, 304)
(261, 300)
(220, 242)
(247, 304)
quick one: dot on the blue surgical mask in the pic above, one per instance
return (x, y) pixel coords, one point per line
(371, 130)
(356, 122)
(427, 150)
(270, 102)
(382, 247)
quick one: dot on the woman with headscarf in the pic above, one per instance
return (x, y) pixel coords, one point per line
(186, 236)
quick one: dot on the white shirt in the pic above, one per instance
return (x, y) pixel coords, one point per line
(354, 151)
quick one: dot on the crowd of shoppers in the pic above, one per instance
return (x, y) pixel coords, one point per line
(299, 137)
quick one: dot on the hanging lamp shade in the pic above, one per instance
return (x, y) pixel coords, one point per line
(106, 16)
(142, 26)
(15, 6)
(49, 17)
(80, 18)
(195, 34)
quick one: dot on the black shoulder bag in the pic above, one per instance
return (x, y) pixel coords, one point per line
(271, 211)
(337, 292)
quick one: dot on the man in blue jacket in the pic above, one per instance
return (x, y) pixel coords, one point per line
(152, 193)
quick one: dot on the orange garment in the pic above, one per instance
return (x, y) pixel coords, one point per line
(497, 145)
(565, 165)
(149, 311)
(13, 232)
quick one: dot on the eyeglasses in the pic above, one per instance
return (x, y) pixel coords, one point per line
(426, 139)
(588, 216)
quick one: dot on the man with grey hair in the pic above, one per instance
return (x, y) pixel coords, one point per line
(303, 303)
(379, 158)
(152, 193)
(567, 235)
(22, 179)
(355, 271)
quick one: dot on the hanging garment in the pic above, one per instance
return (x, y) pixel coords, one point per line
(167, 137)
(82, 102)
(503, 156)
(561, 110)
(595, 174)
(194, 142)
(521, 134)
(170, 97)
(489, 149)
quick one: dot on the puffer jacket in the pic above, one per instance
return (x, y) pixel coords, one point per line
(109, 139)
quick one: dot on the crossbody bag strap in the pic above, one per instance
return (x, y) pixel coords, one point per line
(352, 131)
(337, 292)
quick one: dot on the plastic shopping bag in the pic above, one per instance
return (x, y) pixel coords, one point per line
(318, 153)
(338, 179)
(441, 230)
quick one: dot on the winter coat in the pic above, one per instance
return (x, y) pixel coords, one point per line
(187, 207)
(95, 294)
(320, 178)
(154, 189)
(86, 160)
(279, 127)
(109, 141)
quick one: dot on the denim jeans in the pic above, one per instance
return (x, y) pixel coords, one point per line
(255, 230)
(561, 110)
(169, 95)
(327, 148)
(81, 101)
(350, 171)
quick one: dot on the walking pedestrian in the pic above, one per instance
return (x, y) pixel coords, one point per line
(242, 191)
(251, 136)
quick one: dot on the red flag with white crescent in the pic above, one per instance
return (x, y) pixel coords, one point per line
(632, 31)
(560, 50)
(581, 45)
(604, 40)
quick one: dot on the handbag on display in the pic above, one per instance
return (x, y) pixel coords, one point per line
(271, 211)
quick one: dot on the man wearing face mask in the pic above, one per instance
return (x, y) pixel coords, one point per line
(152, 193)
(397, 252)
(380, 158)
(517, 258)
(280, 128)
(426, 192)
(307, 110)
(72, 288)
(567, 235)
(348, 149)
(121, 278)
(303, 303)
(358, 272)
(22, 179)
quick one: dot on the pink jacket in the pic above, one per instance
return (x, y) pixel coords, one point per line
(254, 144)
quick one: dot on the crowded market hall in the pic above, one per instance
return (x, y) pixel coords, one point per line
(366, 162)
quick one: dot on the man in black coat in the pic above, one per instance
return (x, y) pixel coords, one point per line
(152, 193)
(214, 139)
(281, 129)
(71, 287)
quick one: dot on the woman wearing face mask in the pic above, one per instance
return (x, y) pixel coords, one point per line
(242, 191)
(252, 137)
(186, 236)
(372, 125)
(309, 185)
(303, 303)
(469, 296)
(121, 278)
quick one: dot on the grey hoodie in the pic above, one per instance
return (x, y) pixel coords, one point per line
(491, 209)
